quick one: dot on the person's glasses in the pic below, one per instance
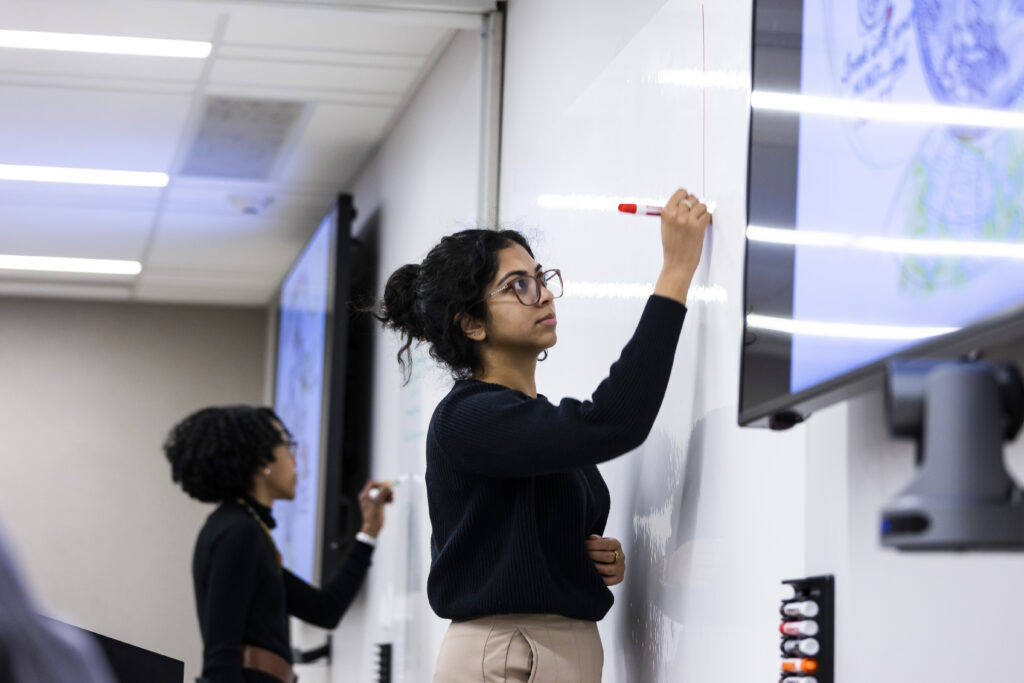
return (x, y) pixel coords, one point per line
(527, 287)
(292, 446)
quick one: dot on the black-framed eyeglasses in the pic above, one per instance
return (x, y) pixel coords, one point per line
(292, 446)
(527, 287)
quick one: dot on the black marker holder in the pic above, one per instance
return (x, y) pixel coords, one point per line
(820, 589)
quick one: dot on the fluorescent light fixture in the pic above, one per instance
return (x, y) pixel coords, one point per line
(639, 290)
(891, 245)
(114, 45)
(843, 330)
(928, 114)
(695, 78)
(56, 264)
(87, 176)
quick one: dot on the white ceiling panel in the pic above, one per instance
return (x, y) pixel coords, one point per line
(334, 144)
(25, 194)
(75, 232)
(90, 128)
(264, 201)
(233, 244)
(140, 19)
(70, 69)
(331, 78)
(350, 67)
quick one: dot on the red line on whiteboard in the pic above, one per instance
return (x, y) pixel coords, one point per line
(703, 112)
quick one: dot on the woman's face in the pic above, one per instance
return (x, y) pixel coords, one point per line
(514, 327)
(282, 479)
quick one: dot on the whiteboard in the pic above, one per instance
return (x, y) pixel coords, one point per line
(608, 103)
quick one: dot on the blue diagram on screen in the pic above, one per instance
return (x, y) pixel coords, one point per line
(906, 181)
(299, 392)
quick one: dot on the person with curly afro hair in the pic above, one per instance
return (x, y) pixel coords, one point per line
(517, 505)
(243, 457)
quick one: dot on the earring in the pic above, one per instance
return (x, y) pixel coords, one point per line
(543, 356)
(267, 471)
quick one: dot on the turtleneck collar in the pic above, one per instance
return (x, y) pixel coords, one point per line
(262, 510)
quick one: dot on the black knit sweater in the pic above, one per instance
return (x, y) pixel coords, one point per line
(244, 598)
(513, 490)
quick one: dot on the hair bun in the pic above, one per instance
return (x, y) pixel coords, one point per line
(398, 310)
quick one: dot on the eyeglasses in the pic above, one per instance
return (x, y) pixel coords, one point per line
(292, 446)
(527, 287)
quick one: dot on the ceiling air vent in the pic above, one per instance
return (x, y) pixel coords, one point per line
(241, 138)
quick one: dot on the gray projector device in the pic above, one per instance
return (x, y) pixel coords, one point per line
(961, 497)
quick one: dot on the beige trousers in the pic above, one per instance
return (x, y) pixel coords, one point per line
(531, 648)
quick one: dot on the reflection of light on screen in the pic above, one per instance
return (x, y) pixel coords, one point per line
(640, 290)
(893, 245)
(932, 114)
(843, 330)
(590, 202)
(705, 79)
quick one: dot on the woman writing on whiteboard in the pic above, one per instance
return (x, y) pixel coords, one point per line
(243, 457)
(517, 506)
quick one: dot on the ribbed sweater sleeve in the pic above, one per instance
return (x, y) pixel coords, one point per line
(324, 608)
(524, 436)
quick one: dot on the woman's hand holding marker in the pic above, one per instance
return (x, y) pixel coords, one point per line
(684, 220)
(372, 499)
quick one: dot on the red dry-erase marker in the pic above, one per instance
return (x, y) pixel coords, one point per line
(648, 210)
(640, 209)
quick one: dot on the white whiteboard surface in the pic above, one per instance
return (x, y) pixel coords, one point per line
(607, 103)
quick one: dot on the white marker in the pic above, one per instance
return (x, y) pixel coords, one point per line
(803, 646)
(804, 608)
(375, 491)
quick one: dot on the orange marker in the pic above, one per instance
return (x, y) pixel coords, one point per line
(799, 665)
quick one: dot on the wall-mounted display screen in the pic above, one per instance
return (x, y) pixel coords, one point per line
(886, 190)
(299, 395)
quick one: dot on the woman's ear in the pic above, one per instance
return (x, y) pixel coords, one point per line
(473, 328)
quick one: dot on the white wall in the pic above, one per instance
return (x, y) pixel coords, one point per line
(90, 391)
(941, 617)
(421, 185)
(711, 515)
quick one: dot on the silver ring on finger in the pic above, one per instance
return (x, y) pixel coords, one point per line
(688, 203)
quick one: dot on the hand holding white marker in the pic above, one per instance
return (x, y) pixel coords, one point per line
(372, 506)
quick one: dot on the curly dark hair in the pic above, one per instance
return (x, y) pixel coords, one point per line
(215, 452)
(427, 301)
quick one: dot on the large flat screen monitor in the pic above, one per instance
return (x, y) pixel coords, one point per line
(885, 195)
(309, 392)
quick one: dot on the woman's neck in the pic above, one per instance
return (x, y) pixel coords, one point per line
(514, 375)
(261, 495)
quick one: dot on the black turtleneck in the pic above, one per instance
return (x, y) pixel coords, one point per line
(244, 598)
